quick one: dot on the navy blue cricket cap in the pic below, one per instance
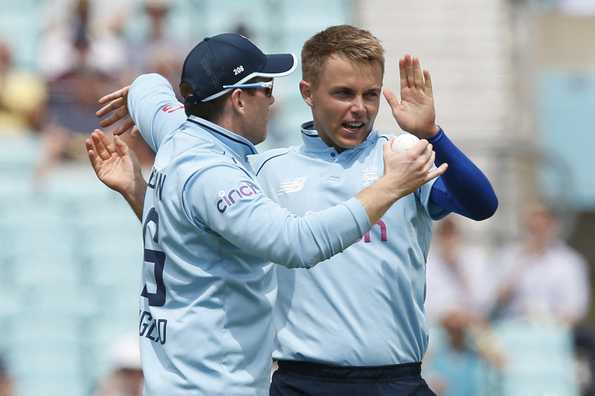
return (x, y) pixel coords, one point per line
(228, 59)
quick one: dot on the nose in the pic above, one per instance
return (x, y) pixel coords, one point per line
(272, 100)
(357, 105)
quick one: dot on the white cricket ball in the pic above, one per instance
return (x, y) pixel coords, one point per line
(404, 142)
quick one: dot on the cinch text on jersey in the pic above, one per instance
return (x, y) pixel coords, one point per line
(246, 189)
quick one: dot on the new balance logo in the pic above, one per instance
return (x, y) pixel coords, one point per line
(238, 70)
(369, 175)
(292, 186)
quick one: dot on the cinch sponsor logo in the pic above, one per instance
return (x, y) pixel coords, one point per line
(246, 189)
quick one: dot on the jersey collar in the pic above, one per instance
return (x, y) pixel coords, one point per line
(238, 144)
(314, 144)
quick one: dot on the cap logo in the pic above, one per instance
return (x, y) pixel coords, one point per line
(238, 70)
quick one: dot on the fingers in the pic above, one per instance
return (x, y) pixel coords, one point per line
(120, 93)
(412, 75)
(114, 104)
(403, 73)
(391, 98)
(426, 159)
(428, 84)
(101, 144)
(429, 163)
(409, 69)
(127, 125)
(95, 161)
(114, 117)
(419, 148)
(436, 172)
(418, 77)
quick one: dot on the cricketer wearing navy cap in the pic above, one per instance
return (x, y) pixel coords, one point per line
(210, 233)
(213, 68)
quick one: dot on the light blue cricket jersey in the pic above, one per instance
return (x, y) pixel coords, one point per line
(366, 308)
(207, 286)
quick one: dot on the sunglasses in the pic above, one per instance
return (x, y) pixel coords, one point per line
(266, 86)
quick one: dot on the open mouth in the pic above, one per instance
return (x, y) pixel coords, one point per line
(353, 126)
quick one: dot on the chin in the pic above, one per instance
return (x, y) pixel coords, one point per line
(349, 143)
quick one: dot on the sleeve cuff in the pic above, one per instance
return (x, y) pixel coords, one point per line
(438, 136)
(359, 214)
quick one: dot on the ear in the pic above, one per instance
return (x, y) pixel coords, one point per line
(306, 91)
(237, 101)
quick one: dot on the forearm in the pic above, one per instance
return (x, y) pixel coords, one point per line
(257, 225)
(467, 190)
(377, 199)
(135, 196)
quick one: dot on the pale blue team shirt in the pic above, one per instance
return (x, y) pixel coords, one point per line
(366, 307)
(208, 289)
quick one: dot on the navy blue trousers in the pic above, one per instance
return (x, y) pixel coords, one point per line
(311, 379)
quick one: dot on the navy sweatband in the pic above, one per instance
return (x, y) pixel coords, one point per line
(463, 188)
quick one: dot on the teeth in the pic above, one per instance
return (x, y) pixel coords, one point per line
(354, 125)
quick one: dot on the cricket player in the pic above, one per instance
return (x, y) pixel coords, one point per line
(361, 331)
(209, 232)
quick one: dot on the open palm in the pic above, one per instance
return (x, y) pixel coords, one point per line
(415, 113)
(115, 165)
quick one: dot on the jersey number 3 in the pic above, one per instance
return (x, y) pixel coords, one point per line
(156, 257)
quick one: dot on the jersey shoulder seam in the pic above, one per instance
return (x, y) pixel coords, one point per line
(276, 154)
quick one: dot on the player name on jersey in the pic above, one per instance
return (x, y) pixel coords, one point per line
(152, 329)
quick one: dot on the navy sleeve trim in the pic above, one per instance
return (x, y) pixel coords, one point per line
(463, 188)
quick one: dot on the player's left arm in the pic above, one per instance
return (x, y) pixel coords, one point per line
(463, 188)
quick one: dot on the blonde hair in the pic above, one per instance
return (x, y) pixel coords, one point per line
(352, 43)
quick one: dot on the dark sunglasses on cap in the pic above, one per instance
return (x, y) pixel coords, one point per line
(266, 86)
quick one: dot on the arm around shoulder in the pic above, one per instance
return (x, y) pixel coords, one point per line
(226, 199)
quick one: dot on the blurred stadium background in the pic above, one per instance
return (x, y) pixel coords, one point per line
(514, 82)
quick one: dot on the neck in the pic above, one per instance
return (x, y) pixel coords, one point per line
(330, 143)
(234, 125)
(324, 137)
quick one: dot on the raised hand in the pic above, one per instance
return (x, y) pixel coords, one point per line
(114, 164)
(116, 107)
(117, 167)
(415, 113)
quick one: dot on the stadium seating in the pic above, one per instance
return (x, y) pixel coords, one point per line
(70, 254)
(539, 359)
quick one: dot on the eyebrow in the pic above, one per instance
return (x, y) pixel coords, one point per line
(348, 88)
